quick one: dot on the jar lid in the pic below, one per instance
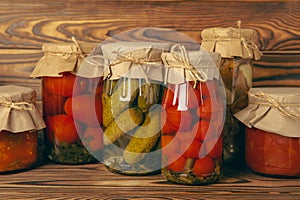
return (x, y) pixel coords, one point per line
(67, 57)
(182, 65)
(134, 60)
(231, 42)
(275, 110)
(18, 110)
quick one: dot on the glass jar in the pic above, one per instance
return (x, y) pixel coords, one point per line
(193, 118)
(20, 122)
(238, 50)
(272, 154)
(272, 137)
(131, 98)
(72, 103)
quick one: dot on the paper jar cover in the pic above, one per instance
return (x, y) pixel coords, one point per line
(275, 110)
(182, 65)
(67, 57)
(231, 42)
(18, 110)
(134, 60)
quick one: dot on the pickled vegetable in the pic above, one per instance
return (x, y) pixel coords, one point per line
(144, 138)
(272, 154)
(237, 77)
(192, 139)
(75, 110)
(125, 122)
(112, 105)
(18, 151)
(148, 97)
(132, 137)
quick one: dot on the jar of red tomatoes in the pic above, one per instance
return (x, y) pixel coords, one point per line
(131, 103)
(238, 49)
(192, 122)
(20, 122)
(72, 105)
(272, 134)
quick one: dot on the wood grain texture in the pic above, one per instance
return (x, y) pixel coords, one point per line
(94, 181)
(29, 24)
(16, 66)
(277, 69)
(26, 25)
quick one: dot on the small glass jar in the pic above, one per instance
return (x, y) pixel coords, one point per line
(192, 123)
(131, 98)
(272, 137)
(238, 50)
(72, 103)
(20, 122)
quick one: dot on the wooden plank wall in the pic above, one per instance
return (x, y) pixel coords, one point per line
(27, 24)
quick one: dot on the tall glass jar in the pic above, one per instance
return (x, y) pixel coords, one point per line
(193, 117)
(238, 50)
(72, 104)
(20, 122)
(131, 98)
(272, 133)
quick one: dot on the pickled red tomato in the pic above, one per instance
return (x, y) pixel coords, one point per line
(192, 150)
(178, 164)
(194, 97)
(201, 128)
(66, 86)
(167, 127)
(204, 166)
(81, 108)
(205, 110)
(182, 120)
(53, 104)
(214, 147)
(61, 128)
(208, 88)
(169, 144)
(168, 97)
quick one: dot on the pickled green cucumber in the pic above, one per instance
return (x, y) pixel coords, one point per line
(145, 137)
(112, 105)
(149, 96)
(126, 121)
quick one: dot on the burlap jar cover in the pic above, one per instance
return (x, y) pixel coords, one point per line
(133, 75)
(238, 50)
(18, 109)
(275, 110)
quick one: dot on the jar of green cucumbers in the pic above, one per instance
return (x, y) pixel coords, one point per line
(131, 98)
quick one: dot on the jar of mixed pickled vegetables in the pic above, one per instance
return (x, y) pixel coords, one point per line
(192, 122)
(272, 134)
(20, 122)
(131, 98)
(72, 104)
(238, 50)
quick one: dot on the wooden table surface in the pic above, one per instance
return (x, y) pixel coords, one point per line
(94, 181)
